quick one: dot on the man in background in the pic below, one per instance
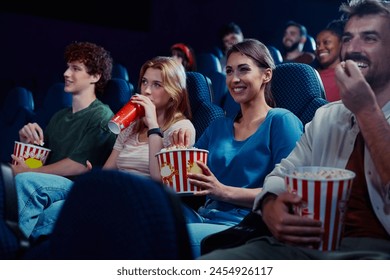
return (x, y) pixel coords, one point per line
(230, 34)
(294, 39)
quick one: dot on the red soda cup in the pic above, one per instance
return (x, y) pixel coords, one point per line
(125, 116)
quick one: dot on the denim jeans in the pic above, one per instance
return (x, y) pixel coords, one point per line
(40, 200)
(199, 227)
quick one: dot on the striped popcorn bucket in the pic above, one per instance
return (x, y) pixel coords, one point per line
(34, 156)
(176, 163)
(325, 192)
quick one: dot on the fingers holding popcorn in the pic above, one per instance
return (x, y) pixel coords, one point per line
(180, 137)
(32, 133)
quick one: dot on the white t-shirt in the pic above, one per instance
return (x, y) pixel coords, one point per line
(329, 140)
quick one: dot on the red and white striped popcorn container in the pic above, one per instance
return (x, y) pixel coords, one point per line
(34, 155)
(325, 191)
(176, 163)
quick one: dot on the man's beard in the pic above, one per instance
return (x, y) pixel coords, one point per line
(291, 48)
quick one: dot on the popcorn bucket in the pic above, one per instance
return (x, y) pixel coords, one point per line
(125, 116)
(325, 191)
(176, 163)
(34, 156)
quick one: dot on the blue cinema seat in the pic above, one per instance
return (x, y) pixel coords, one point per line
(204, 111)
(298, 88)
(54, 100)
(115, 215)
(17, 110)
(117, 93)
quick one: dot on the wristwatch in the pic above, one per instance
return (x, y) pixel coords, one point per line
(156, 130)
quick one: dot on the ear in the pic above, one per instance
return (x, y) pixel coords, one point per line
(95, 78)
(267, 75)
(302, 40)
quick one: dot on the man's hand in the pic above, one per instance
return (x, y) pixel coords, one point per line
(20, 166)
(355, 92)
(31, 133)
(289, 227)
(88, 164)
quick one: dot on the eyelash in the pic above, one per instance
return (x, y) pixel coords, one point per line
(154, 85)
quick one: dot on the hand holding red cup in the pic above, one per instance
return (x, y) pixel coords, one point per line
(125, 116)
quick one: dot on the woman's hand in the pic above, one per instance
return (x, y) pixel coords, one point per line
(150, 118)
(180, 137)
(206, 183)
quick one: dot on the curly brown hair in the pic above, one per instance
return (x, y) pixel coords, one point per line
(94, 57)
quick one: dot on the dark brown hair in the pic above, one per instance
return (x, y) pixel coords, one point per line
(364, 7)
(94, 57)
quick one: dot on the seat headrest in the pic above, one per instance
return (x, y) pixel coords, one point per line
(294, 86)
(117, 93)
(208, 62)
(310, 44)
(57, 97)
(119, 71)
(128, 217)
(199, 90)
(276, 54)
(200, 96)
(16, 99)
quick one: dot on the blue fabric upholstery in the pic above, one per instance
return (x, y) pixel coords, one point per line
(119, 71)
(310, 44)
(207, 62)
(117, 93)
(17, 110)
(203, 110)
(298, 88)
(17, 97)
(116, 215)
(209, 65)
(217, 51)
(218, 84)
(276, 54)
(55, 99)
(8, 241)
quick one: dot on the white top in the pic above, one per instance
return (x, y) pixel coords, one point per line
(134, 155)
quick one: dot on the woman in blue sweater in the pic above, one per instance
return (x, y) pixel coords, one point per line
(242, 151)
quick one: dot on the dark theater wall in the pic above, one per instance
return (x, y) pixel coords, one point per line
(33, 38)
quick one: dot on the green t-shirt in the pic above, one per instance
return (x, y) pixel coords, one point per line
(80, 136)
